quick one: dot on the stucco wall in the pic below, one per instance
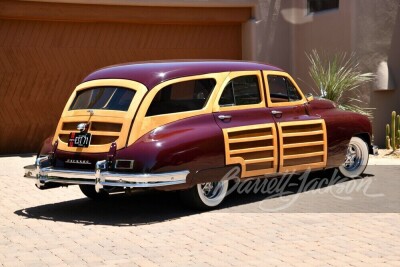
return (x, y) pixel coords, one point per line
(369, 28)
(377, 39)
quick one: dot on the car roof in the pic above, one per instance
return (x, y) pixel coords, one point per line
(152, 73)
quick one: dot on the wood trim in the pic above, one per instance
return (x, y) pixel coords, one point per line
(249, 150)
(300, 167)
(260, 160)
(304, 144)
(138, 87)
(143, 124)
(282, 104)
(231, 158)
(235, 74)
(256, 138)
(125, 118)
(304, 155)
(119, 13)
(303, 134)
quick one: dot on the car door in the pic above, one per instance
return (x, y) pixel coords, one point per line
(302, 137)
(248, 128)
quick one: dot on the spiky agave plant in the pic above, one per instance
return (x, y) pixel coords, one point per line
(339, 79)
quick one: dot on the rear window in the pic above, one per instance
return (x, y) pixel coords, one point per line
(106, 98)
(181, 97)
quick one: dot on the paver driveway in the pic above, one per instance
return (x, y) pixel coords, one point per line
(328, 226)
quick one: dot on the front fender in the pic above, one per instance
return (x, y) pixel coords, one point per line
(341, 127)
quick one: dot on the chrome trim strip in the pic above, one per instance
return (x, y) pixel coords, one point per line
(100, 178)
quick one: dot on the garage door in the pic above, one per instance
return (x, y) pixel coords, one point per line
(44, 55)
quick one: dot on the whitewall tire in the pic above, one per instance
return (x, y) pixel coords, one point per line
(205, 196)
(356, 158)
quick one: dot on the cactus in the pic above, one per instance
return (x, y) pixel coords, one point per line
(398, 131)
(398, 139)
(393, 132)
(388, 137)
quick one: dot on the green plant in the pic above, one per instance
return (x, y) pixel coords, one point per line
(398, 131)
(388, 146)
(393, 132)
(338, 79)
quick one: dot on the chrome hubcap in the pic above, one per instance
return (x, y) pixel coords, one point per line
(353, 157)
(211, 190)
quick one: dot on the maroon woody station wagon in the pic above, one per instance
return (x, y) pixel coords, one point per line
(186, 125)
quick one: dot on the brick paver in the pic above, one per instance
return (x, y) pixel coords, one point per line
(59, 227)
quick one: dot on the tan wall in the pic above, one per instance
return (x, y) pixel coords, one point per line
(370, 28)
(377, 39)
(43, 57)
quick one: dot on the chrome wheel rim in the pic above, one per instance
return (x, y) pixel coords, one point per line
(353, 157)
(212, 190)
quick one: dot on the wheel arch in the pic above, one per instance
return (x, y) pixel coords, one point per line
(366, 137)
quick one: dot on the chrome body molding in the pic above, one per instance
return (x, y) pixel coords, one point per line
(99, 177)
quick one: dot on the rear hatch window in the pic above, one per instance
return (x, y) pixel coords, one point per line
(103, 98)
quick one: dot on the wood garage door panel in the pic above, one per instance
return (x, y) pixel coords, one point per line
(42, 61)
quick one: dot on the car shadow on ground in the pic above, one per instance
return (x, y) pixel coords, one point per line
(151, 207)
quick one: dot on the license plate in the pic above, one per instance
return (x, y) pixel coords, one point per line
(79, 139)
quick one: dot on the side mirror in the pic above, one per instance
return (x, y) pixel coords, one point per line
(309, 97)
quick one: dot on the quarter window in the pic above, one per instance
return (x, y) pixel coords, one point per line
(243, 90)
(181, 97)
(282, 89)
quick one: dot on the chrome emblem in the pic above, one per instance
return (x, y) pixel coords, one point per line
(77, 161)
(82, 127)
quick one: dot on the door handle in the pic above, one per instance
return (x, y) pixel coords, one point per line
(224, 117)
(277, 113)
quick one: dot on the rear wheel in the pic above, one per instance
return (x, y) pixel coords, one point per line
(205, 196)
(356, 158)
(90, 192)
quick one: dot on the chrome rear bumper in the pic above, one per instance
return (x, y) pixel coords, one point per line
(100, 178)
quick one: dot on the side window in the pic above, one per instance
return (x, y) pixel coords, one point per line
(293, 94)
(282, 89)
(243, 90)
(181, 97)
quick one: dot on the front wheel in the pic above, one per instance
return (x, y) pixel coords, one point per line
(356, 158)
(205, 196)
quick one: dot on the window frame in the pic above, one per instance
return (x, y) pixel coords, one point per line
(78, 92)
(135, 86)
(231, 76)
(282, 104)
(143, 124)
(206, 102)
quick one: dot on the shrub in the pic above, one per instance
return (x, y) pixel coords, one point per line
(339, 79)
